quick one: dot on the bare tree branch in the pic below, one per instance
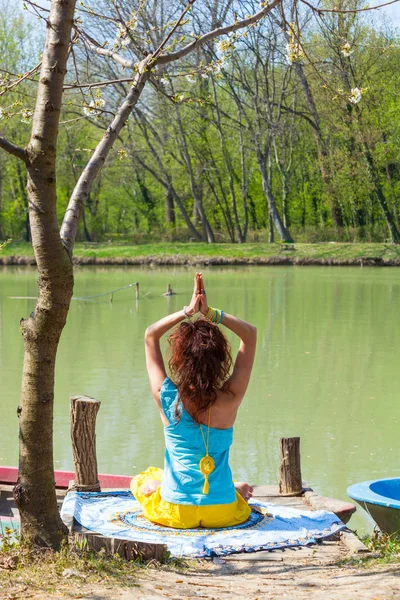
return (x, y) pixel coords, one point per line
(167, 58)
(90, 43)
(175, 27)
(13, 149)
(77, 201)
(74, 86)
(354, 10)
(26, 75)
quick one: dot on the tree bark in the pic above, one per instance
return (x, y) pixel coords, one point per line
(35, 490)
(272, 209)
(22, 189)
(169, 208)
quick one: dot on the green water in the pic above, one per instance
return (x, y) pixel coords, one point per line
(326, 369)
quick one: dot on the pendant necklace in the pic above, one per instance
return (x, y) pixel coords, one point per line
(207, 464)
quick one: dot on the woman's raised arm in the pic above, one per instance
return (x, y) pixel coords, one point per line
(247, 333)
(154, 358)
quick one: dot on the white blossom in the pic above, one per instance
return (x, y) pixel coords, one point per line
(191, 77)
(355, 95)
(216, 68)
(181, 98)
(224, 45)
(294, 52)
(346, 49)
(92, 109)
(123, 32)
(163, 81)
(132, 24)
(1, 114)
(26, 115)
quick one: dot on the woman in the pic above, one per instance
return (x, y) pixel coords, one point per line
(198, 408)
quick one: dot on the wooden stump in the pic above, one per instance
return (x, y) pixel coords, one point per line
(290, 482)
(83, 414)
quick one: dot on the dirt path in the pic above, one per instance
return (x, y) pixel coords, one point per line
(314, 573)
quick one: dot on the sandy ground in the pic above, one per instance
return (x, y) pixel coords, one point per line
(311, 573)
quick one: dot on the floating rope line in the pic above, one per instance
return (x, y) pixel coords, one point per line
(111, 293)
(125, 287)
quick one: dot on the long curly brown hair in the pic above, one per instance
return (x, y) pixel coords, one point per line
(200, 361)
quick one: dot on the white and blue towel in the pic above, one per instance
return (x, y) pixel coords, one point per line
(270, 526)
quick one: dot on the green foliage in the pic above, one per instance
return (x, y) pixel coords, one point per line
(203, 147)
(386, 546)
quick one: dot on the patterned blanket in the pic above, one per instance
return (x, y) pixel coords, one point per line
(270, 526)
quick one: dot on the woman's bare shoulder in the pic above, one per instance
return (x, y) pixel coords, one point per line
(224, 410)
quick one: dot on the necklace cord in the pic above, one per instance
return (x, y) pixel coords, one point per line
(207, 464)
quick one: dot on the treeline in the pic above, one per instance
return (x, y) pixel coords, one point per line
(289, 131)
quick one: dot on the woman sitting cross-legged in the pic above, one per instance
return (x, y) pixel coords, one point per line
(198, 408)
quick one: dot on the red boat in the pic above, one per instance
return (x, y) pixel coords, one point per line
(9, 476)
(9, 516)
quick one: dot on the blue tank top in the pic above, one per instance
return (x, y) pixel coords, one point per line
(183, 482)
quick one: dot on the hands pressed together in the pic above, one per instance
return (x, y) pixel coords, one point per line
(198, 302)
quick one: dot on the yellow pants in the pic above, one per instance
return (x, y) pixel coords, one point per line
(186, 516)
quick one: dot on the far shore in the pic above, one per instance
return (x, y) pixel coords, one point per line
(196, 254)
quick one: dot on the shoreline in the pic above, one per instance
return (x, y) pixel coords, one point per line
(182, 260)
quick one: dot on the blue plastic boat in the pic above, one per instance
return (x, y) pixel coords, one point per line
(381, 499)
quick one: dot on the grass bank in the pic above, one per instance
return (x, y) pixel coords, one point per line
(73, 572)
(331, 253)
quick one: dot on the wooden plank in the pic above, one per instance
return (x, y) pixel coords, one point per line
(342, 509)
(353, 543)
(126, 548)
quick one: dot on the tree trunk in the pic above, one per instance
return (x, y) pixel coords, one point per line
(86, 232)
(208, 233)
(271, 236)
(390, 222)
(22, 188)
(272, 209)
(336, 211)
(35, 490)
(285, 192)
(169, 208)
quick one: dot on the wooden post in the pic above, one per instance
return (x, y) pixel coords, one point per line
(83, 414)
(137, 290)
(290, 482)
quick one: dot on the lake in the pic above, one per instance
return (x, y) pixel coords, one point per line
(327, 367)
